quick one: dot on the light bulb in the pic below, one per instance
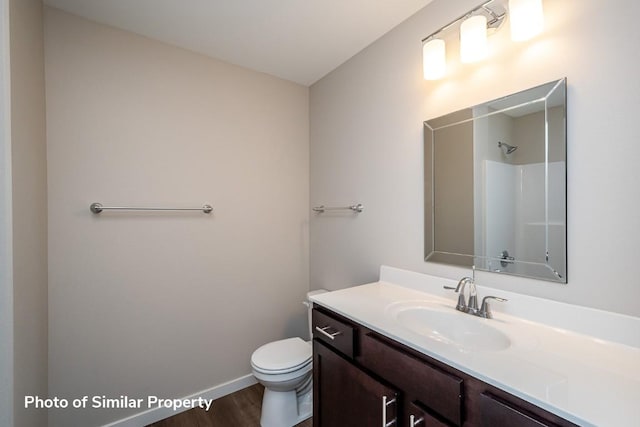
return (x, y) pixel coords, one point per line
(473, 39)
(433, 59)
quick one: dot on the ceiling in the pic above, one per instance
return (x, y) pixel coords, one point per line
(297, 40)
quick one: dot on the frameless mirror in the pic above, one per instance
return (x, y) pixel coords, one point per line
(495, 185)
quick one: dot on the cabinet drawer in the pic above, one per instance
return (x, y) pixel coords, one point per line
(335, 333)
(499, 412)
(439, 391)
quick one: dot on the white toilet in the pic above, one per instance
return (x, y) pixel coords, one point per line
(284, 369)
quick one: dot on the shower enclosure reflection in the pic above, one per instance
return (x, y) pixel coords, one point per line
(495, 185)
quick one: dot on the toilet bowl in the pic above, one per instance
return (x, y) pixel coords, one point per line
(284, 368)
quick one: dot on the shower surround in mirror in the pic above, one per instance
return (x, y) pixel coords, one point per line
(495, 185)
(515, 219)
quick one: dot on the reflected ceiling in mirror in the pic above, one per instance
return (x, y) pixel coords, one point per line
(495, 185)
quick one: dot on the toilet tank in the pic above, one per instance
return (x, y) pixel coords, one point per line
(309, 305)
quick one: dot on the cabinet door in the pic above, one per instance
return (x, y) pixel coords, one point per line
(345, 396)
(420, 381)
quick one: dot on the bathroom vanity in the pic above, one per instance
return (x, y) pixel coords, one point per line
(386, 381)
(384, 354)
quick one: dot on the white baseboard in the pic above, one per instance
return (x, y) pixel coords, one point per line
(153, 415)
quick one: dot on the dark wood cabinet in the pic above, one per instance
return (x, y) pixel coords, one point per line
(356, 371)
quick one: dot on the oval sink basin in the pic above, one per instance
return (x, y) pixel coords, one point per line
(451, 327)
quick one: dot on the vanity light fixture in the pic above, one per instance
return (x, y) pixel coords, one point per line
(526, 17)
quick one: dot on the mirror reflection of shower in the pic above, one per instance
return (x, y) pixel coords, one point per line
(508, 149)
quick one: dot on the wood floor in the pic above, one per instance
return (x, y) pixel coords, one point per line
(239, 409)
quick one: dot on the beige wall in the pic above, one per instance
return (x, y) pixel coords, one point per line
(528, 135)
(452, 196)
(29, 174)
(366, 146)
(529, 130)
(167, 304)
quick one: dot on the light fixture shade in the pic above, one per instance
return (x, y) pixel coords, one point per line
(527, 19)
(473, 39)
(434, 63)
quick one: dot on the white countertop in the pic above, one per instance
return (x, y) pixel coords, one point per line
(591, 381)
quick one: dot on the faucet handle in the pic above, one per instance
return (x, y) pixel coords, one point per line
(485, 310)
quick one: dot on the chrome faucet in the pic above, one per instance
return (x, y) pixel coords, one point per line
(462, 304)
(472, 306)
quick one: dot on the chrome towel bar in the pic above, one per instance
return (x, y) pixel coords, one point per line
(96, 208)
(355, 208)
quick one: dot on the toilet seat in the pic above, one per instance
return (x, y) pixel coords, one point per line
(281, 357)
(300, 368)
